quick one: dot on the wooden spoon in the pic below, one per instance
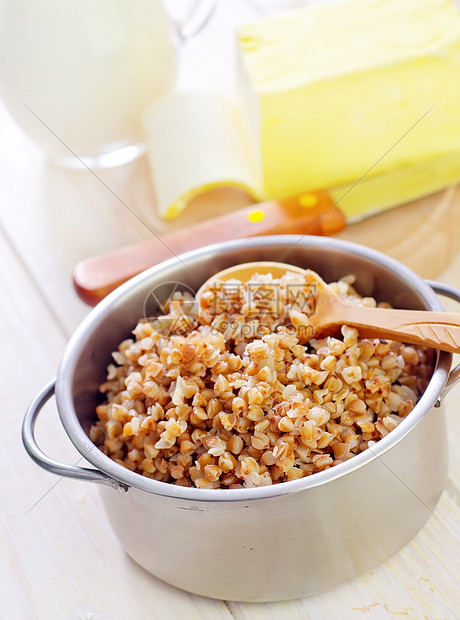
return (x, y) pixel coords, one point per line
(440, 330)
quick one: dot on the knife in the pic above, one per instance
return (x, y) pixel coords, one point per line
(313, 213)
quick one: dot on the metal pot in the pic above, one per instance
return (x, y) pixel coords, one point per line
(278, 542)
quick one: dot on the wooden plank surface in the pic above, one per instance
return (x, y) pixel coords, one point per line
(58, 557)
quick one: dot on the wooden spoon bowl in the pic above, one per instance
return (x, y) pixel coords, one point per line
(245, 271)
(440, 330)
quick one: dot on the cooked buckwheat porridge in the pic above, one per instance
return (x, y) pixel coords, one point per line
(234, 391)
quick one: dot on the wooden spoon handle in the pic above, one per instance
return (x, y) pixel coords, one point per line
(313, 214)
(440, 330)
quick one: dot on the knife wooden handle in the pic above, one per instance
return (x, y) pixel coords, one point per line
(313, 213)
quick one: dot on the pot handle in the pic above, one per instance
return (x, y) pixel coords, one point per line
(453, 293)
(46, 462)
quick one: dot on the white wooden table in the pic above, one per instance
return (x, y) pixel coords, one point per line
(58, 556)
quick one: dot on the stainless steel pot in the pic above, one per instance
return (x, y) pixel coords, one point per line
(293, 539)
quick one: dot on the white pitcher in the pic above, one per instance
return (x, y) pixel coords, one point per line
(77, 75)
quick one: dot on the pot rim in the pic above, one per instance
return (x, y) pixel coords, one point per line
(91, 453)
